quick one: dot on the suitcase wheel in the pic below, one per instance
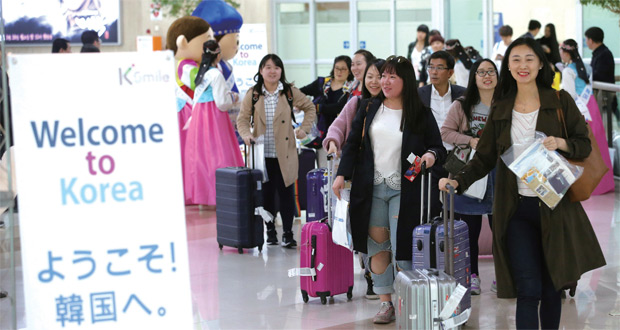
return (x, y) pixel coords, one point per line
(323, 300)
(221, 246)
(304, 296)
(240, 250)
(350, 293)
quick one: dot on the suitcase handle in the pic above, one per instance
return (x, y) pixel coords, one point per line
(425, 173)
(245, 146)
(330, 191)
(448, 217)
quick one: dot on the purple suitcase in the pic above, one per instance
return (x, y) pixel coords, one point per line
(331, 263)
(317, 194)
(429, 249)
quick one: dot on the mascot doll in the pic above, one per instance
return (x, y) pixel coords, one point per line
(186, 37)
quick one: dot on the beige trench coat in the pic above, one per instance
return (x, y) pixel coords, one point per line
(286, 148)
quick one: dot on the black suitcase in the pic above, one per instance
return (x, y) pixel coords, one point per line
(307, 162)
(238, 193)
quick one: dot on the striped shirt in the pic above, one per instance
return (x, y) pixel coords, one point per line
(271, 102)
(522, 133)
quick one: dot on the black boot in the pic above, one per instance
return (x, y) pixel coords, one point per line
(287, 240)
(370, 294)
(272, 237)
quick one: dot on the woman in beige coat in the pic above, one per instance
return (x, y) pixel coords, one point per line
(266, 111)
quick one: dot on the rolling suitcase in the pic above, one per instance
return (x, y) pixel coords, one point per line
(326, 269)
(431, 298)
(429, 248)
(307, 162)
(318, 194)
(238, 194)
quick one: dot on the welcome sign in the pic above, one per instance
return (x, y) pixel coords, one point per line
(100, 191)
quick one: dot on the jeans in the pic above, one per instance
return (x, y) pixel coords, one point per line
(536, 294)
(384, 213)
(274, 188)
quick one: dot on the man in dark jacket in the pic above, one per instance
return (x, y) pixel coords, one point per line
(438, 96)
(603, 67)
(532, 29)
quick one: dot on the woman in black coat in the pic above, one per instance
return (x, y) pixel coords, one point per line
(386, 131)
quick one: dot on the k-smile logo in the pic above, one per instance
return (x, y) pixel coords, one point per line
(123, 76)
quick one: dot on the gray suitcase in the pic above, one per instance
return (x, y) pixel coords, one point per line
(422, 293)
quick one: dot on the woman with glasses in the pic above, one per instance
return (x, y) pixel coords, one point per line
(463, 127)
(537, 251)
(328, 93)
(386, 133)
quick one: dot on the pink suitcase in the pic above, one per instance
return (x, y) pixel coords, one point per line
(330, 265)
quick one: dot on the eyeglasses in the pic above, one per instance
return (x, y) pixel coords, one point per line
(490, 73)
(398, 59)
(436, 68)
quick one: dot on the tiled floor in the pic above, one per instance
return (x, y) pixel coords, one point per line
(253, 290)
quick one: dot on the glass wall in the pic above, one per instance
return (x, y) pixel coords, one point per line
(373, 27)
(608, 21)
(410, 14)
(464, 22)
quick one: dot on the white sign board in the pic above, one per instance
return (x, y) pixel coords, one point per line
(252, 49)
(102, 215)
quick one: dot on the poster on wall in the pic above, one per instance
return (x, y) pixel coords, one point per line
(102, 214)
(39, 22)
(252, 49)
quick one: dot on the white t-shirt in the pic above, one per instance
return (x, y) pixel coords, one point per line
(386, 140)
(440, 105)
(416, 57)
(522, 131)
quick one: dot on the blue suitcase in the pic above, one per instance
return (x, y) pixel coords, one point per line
(238, 193)
(317, 194)
(307, 162)
(429, 246)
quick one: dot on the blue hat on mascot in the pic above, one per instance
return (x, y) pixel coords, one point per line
(222, 17)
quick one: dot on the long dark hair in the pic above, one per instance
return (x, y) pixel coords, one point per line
(210, 51)
(259, 78)
(552, 43)
(507, 85)
(346, 60)
(414, 111)
(570, 46)
(424, 28)
(472, 94)
(378, 64)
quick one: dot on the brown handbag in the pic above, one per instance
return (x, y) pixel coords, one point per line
(594, 167)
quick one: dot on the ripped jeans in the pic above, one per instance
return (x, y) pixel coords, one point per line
(384, 214)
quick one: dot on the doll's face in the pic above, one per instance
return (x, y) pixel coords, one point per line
(193, 48)
(229, 45)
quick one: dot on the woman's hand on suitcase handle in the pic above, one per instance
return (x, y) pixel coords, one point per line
(429, 158)
(338, 185)
(332, 148)
(248, 140)
(444, 182)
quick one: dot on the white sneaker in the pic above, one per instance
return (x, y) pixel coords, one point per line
(475, 285)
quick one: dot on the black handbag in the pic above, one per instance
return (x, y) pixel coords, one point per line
(457, 158)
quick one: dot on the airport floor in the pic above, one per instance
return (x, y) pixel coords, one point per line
(253, 290)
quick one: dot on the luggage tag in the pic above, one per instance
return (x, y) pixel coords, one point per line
(415, 168)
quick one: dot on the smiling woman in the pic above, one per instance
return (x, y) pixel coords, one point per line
(525, 231)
